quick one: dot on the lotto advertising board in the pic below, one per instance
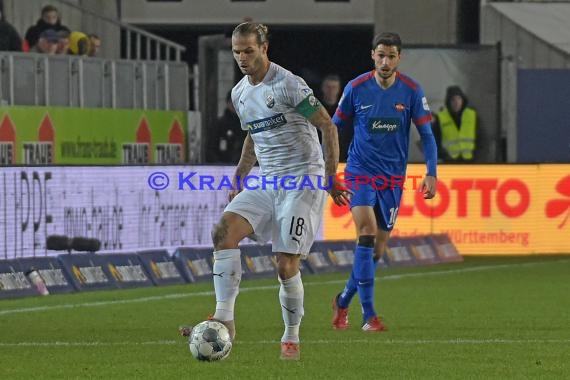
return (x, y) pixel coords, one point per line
(46, 135)
(485, 209)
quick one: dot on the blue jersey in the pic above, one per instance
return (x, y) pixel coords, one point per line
(381, 119)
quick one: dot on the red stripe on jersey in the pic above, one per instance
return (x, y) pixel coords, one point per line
(362, 79)
(406, 80)
(423, 120)
(341, 115)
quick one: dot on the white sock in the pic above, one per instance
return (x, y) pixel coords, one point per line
(291, 295)
(227, 276)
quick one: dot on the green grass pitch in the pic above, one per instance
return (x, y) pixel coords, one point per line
(485, 318)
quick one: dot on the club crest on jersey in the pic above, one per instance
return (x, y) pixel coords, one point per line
(400, 107)
(269, 100)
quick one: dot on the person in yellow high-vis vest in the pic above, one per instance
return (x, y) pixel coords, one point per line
(456, 127)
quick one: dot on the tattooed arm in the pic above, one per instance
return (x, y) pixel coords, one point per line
(245, 164)
(322, 120)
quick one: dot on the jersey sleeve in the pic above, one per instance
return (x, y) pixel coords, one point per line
(421, 113)
(235, 100)
(345, 109)
(300, 96)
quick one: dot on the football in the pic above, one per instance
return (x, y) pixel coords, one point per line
(210, 341)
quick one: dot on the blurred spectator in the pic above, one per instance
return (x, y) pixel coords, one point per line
(50, 20)
(331, 91)
(47, 42)
(94, 46)
(9, 38)
(63, 43)
(455, 128)
(79, 43)
(226, 140)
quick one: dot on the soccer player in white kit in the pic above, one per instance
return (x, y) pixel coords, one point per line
(280, 113)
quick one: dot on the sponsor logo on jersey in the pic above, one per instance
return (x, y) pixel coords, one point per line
(266, 124)
(384, 125)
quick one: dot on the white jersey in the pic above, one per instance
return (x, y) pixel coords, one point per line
(285, 142)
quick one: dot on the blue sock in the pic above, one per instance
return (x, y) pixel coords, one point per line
(364, 269)
(351, 288)
(348, 292)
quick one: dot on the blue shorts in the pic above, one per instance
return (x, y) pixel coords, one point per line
(382, 198)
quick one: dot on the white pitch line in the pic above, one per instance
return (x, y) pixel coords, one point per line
(457, 341)
(271, 287)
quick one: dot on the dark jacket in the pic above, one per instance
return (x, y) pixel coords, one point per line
(9, 37)
(34, 31)
(225, 140)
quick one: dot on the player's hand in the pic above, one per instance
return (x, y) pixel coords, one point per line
(232, 194)
(428, 186)
(339, 193)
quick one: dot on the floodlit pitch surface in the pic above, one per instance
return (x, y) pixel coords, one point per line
(484, 318)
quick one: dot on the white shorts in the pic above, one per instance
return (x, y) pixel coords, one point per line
(289, 218)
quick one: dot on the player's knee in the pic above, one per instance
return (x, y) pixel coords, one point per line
(220, 234)
(366, 241)
(367, 229)
(287, 265)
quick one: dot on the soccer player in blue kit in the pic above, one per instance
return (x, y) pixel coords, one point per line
(380, 105)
